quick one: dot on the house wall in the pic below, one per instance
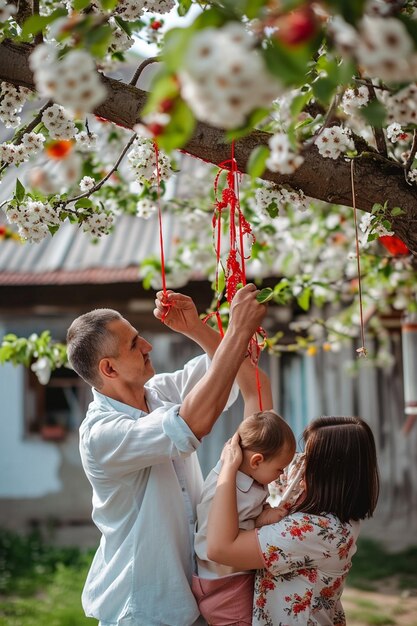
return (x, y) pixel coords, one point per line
(43, 482)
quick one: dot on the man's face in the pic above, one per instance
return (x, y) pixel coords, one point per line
(132, 362)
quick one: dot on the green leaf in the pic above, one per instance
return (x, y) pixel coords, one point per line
(257, 161)
(409, 23)
(252, 8)
(79, 5)
(125, 26)
(397, 211)
(374, 113)
(98, 40)
(179, 129)
(53, 228)
(19, 191)
(273, 209)
(299, 102)
(176, 42)
(221, 280)
(290, 5)
(183, 7)
(351, 10)
(324, 89)
(256, 116)
(164, 87)
(211, 18)
(283, 284)
(37, 23)
(109, 5)
(265, 295)
(303, 299)
(84, 203)
(289, 65)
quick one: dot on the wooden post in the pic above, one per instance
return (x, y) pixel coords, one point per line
(409, 347)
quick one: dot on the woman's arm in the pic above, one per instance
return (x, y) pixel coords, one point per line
(247, 379)
(227, 544)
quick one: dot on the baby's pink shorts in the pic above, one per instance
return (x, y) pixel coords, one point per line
(225, 601)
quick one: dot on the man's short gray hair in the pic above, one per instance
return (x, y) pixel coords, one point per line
(89, 340)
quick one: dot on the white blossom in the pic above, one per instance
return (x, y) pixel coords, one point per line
(353, 99)
(412, 175)
(121, 41)
(145, 208)
(98, 224)
(283, 158)
(86, 141)
(334, 141)
(42, 369)
(395, 132)
(12, 100)
(130, 10)
(6, 10)
(72, 80)
(87, 183)
(32, 218)
(223, 77)
(159, 6)
(385, 49)
(379, 7)
(58, 122)
(401, 106)
(142, 160)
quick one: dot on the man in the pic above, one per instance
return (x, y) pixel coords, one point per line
(137, 447)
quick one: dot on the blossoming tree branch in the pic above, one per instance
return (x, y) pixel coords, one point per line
(319, 99)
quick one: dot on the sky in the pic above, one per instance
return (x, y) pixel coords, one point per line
(171, 19)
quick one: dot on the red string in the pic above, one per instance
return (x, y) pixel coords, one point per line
(161, 239)
(235, 271)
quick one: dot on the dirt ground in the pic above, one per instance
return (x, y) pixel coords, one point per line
(387, 606)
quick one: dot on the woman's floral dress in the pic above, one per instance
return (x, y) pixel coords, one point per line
(307, 558)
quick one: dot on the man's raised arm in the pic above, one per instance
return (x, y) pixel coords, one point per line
(206, 401)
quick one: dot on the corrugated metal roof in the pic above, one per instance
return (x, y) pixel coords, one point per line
(70, 257)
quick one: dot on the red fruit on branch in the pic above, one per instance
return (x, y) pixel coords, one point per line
(166, 105)
(59, 149)
(297, 27)
(394, 245)
(156, 129)
(156, 24)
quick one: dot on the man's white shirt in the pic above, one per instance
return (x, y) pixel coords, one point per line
(147, 482)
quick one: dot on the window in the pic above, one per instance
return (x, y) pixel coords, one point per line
(55, 409)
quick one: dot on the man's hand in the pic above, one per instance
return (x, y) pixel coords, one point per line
(246, 313)
(176, 311)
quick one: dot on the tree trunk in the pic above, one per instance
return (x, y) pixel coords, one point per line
(377, 179)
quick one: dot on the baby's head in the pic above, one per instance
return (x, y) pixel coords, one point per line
(268, 445)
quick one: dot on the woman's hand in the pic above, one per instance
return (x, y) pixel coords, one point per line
(232, 455)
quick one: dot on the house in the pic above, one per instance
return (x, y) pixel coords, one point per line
(46, 285)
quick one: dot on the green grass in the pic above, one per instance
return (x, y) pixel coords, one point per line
(371, 564)
(371, 618)
(41, 585)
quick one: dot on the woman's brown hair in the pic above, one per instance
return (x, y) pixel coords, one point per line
(341, 470)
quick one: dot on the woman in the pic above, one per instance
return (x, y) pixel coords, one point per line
(302, 561)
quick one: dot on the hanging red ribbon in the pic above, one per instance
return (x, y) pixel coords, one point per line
(161, 238)
(235, 270)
